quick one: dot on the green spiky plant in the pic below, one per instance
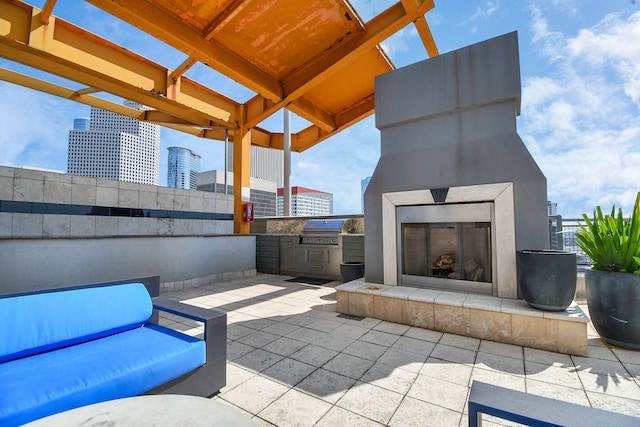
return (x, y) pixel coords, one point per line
(611, 241)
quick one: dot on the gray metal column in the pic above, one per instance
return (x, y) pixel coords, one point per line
(287, 164)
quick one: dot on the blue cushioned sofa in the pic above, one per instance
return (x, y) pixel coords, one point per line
(64, 349)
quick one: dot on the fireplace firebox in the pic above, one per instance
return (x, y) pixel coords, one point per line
(446, 247)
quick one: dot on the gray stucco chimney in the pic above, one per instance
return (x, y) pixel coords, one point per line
(448, 122)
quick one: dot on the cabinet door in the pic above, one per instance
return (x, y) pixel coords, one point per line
(288, 254)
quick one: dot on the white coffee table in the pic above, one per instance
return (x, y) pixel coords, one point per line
(151, 410)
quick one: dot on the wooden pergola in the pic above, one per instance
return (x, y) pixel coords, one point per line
(317, 59)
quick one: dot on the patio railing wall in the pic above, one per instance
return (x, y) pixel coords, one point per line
(562, 236)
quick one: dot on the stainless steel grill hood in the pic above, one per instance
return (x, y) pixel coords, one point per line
(323, 231)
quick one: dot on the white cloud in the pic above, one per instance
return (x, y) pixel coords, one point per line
(546, 40)
(582, 121)
(33, 126)
(399, 42)
(488, 9)
(307, 165)
(609, 45)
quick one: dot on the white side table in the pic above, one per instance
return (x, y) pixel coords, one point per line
(150, 410)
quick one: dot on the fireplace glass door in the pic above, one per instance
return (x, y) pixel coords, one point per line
(452, 255)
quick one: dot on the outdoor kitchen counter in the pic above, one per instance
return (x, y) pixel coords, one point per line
(480, 316)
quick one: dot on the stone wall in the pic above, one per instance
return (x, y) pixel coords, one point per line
(64, 205)
(59, 230)
(295, 224)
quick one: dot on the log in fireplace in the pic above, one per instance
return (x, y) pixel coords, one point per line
(446, 247)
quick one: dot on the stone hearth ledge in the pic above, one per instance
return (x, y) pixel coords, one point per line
(480, 316)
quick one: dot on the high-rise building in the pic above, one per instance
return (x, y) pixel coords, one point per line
(306, 202)
(261, 192)
(183, 168)
(363, 186)
(81, 123)
(266, 163)
(115, 147)
(552, 208)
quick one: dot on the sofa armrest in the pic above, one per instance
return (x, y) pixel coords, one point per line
(211, 377)
(186, 310)
(215, 323)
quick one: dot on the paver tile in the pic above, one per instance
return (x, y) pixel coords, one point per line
(341, 417)
(615, 403)
(559, 392)
(414, 345)
(612, 385)
(366, 350)
(502, 349)
(424, 334)
(447, 371)
(295, 409)
(599, 366)
(504, 364)
(390, 378)
(403, 359)
(553, 374)
(348, 365)
(379, 337)
(236, 349)
(459, 341)
(258, 339)
(285, 346)
(255, 394)
(546, 357)
(236, 331)
(418, 413)
(323, 325)
(326, 385)
(333, 341)
(371, 402)
(314, 355)
(281, 328)
(454, 354)
(350, 331)
(391, 328)
(235, 376)
(514, 382)
(442, 393)
(627, 356)
(288, 371)
(257, 360)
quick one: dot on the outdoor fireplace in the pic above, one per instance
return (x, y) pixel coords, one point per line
(455, 193)
(446, 246)
(453, 197)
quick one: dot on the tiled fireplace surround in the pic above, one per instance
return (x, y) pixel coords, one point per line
(415, 133)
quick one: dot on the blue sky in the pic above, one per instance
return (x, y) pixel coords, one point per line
(580, 118)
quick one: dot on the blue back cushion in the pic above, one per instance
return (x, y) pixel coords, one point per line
(33, 324)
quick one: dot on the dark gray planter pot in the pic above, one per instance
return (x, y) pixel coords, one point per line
(614, 306)
(547, 279)
(351, 271)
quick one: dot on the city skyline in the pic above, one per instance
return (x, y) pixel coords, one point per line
(580, 116)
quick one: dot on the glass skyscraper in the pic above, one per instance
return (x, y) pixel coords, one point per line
(363, 187)
(184, 166)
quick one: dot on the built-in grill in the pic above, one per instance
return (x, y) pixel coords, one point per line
(323, 231)
(319, 249)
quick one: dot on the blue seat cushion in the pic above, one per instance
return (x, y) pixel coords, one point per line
(122, 365)
(32, 324)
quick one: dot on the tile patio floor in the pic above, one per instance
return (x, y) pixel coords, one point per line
(294, 361)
